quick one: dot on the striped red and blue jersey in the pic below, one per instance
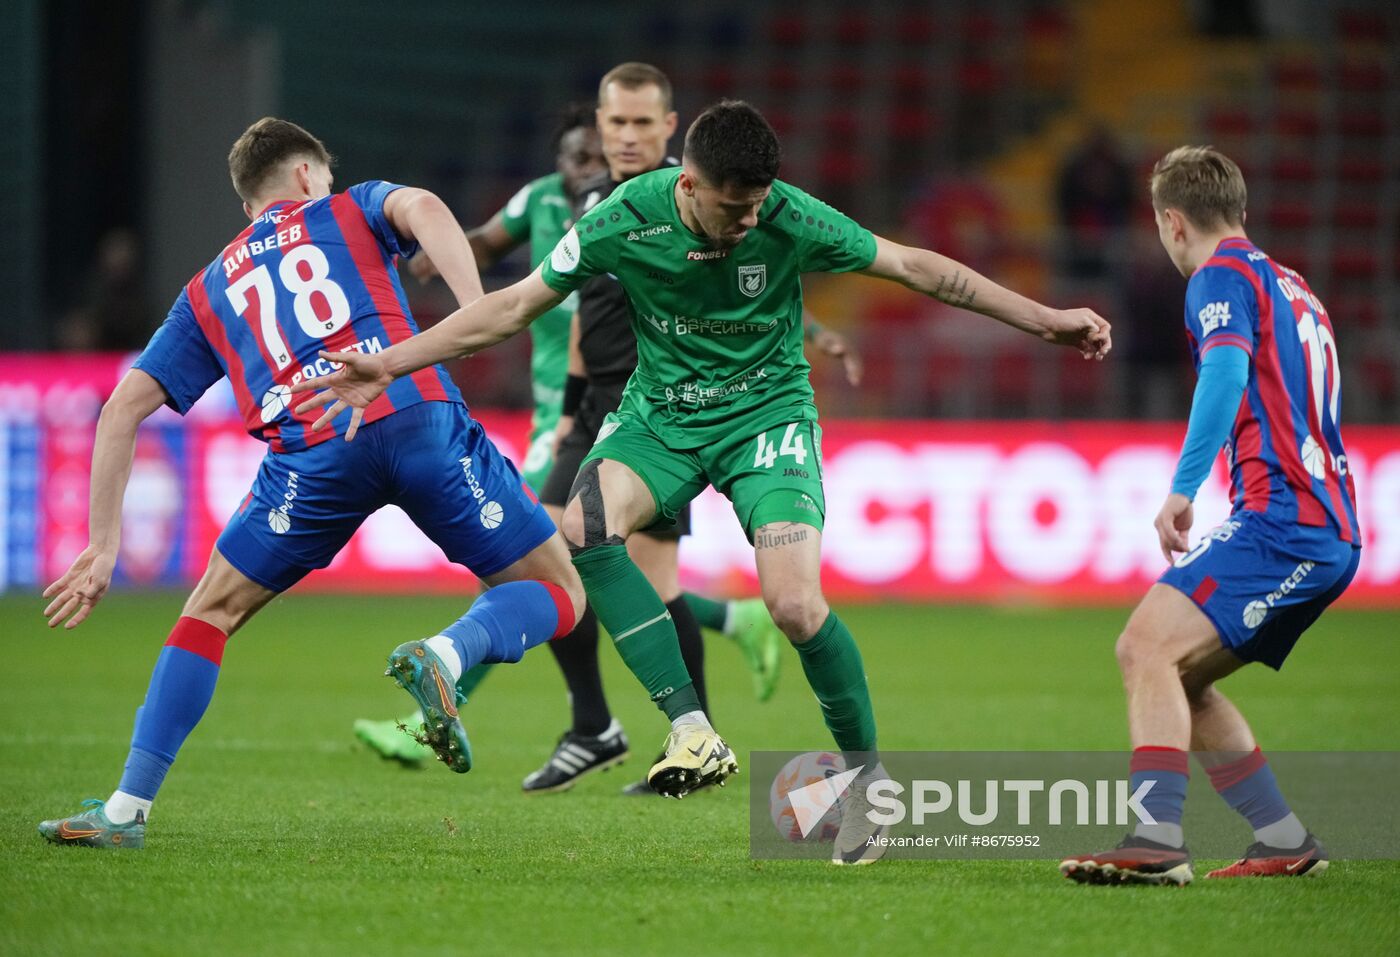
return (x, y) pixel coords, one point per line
(1285, 452)
(301, 278)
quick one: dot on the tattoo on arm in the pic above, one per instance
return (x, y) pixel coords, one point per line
(955, 291)
(782, 533)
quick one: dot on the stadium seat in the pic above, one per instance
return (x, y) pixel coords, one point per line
(853, 29)
(1304, 123)
(1355, 263)
(1356, 215)
(1289, 215)
(1357, 124)
(1361, 77)
(978, 76)
(841, 126)
(981, 28)
(1294, 169)
(783, 79)
(1294, 76)
(1361, 26)
(787, 31)
(912, 81)
(1353, 311)
(916, 30)
(1361, 169)
(911, 123)
(846, 79)
(1230, 121)
(718, 81)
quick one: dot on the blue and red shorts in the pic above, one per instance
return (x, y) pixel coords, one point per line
(433, 460)
(1262, 582)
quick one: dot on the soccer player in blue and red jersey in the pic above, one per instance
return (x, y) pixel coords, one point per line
(1269, 391)
(316, 270)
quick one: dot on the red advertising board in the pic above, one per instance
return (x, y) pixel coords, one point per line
(961, 511)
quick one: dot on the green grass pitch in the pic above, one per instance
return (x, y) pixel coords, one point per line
(278, 834)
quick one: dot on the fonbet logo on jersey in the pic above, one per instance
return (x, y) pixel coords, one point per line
(1213, 316)
(275, 401)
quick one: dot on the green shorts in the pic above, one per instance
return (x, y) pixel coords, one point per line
(774, 476)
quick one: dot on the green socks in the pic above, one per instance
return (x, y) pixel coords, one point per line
(836, 673)
(633, 613)
(708, 612)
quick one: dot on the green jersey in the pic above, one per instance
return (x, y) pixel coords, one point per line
(719, 331)
(541, 213)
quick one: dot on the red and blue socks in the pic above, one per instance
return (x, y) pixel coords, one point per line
(181, 686)
(503, 624)
(1248, 785)
(1167, 770)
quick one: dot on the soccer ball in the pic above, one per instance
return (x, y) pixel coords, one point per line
(802, 771)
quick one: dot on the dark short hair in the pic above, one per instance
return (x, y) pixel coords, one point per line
(731, 142)
(263, 147)
(577, 115)
(634, 76)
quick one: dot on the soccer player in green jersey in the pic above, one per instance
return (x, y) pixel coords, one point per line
(711, 256)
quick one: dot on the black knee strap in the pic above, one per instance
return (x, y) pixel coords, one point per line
(589, 492)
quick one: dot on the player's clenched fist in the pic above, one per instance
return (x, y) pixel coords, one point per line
(359, 381)
(1084, 329)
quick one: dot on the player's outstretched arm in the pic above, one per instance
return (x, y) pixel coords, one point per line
(421, 216)
(485, 322)
(948, 280)
(90, 575)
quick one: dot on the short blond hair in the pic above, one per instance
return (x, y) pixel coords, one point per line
(634, 76)
(1203, 183)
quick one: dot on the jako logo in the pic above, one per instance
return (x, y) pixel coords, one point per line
(280, 518)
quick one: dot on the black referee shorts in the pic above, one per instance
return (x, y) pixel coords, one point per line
(597, 403)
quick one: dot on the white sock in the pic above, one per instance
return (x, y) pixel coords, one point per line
(728, 629)
(1288, 832)
(121, 808)
(1168, 834)
(692, 717)
(444, 648)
